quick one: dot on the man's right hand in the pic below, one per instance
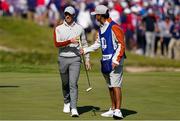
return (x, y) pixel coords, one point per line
(75, 40)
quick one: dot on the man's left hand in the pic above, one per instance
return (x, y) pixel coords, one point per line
(114, 65)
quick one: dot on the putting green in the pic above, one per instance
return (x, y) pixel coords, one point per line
(38, 96)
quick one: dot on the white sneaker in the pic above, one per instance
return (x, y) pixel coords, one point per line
(74, 113)
(108, 113)
(66, 108)
(117, 114)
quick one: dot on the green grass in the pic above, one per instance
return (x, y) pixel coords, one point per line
(137, 60)
(38, 96)
(34, 45)
(30, 84)
(25, 36)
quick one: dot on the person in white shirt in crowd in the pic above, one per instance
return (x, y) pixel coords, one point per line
(114, 14)
(165, 34)
(18, 7)
(53, 13)
(66, 37)
(84, 18)
(23, 8)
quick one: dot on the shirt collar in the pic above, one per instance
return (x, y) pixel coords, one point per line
(65, 23)
(106, 23)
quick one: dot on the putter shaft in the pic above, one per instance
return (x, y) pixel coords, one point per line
(83, 59)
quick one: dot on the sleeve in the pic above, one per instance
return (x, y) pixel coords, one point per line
(84, 43)
(118, 36)
(95, 46)
(57, 39)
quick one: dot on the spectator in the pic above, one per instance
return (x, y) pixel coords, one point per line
(114, 14)
(5, 7)
(40, 11)
(126, 23)
(22, 8)
(175, 40)
(150, 22)
(158, 38)
(1, 12)
(84, 18)
(140, 37)
(165, 34)
(53, 13)
(31, 9)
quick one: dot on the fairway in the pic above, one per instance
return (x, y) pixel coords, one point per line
(38, 96)
(30, 87)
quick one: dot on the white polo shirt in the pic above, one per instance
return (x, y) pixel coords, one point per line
(64, 33)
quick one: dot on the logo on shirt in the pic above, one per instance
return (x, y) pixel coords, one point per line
(103, 43)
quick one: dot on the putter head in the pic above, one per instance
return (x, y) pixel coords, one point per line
(88, 89)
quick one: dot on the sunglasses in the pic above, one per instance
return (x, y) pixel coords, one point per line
(67, 14)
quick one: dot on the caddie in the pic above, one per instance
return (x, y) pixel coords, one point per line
(110, 38)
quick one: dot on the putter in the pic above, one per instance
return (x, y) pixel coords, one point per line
(87, 75)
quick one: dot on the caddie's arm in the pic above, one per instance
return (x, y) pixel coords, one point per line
(118, 35)
(94, 46)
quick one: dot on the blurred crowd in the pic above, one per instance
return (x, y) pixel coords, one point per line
(152, 27)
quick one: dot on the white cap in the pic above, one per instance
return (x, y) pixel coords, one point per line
(150, 11)
(69, 10)
(127, 11)
(136, 0)
(110, 4)
(135, 9)
(100, 9)
(124, 4)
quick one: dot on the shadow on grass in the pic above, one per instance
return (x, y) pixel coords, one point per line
(8, 86)
(94, 109)
(125, 112)
(85, 109)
